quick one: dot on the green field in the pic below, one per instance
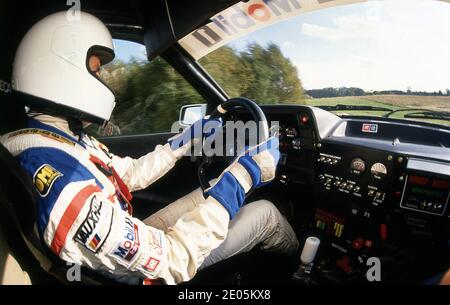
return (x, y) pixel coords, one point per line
(441, 103)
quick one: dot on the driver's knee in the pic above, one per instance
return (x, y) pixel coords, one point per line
(169, 215)
(277, 234)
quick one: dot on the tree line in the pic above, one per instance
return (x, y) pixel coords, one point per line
(353, 91)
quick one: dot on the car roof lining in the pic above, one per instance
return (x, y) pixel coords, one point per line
(159, 22)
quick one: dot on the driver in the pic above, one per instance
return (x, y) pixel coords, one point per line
(84, 213)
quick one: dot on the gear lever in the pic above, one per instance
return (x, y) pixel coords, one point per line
(307, 260)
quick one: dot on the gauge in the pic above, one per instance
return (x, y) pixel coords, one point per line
(378, 171)
(357, 166)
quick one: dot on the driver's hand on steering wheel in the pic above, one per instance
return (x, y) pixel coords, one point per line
(183, 141)
(252, 169)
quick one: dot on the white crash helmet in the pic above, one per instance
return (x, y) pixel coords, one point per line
(51, 67)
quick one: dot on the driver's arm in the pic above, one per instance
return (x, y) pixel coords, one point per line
(140, 173)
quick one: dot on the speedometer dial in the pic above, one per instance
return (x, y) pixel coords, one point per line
(378, 171)
(357, 166)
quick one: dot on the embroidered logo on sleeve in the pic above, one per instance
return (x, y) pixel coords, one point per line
(95, 228)
(151, 264)
(129, 243)
(156, 240)
(44, 178)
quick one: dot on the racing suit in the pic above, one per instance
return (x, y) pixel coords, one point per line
(84, 215)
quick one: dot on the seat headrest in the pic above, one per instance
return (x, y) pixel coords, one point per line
(18, 187)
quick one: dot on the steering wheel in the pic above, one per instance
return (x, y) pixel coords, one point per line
(225, 108)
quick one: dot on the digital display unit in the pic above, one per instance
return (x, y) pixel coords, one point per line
(425, 194)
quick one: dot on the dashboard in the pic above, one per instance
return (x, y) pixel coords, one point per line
(367, 187)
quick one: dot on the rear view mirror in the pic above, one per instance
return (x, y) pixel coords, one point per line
(192, 113)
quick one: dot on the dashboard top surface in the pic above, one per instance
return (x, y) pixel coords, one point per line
(392, 135)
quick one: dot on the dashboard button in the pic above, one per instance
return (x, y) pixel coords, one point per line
(296, 144)
(358, 243)
(291, 132)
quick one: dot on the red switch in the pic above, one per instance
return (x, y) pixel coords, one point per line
(383, 231)
(343, 264)
(358, 243)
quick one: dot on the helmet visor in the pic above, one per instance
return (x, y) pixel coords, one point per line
(97, 58)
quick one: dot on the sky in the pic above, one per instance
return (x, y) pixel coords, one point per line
(376, 45)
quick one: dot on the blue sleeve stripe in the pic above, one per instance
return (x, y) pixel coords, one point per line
(71, 169)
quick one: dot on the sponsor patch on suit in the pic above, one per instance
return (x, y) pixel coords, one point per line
(129, 242)
(44, 178)
(96, 227)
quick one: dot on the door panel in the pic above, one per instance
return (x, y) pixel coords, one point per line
(135, 146)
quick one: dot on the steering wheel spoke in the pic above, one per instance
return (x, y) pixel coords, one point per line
(224, 111)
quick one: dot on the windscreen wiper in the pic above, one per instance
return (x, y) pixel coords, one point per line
(435, 114)
(431, 115)
(353, 108)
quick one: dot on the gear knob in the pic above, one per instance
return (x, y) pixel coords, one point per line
(306, 260)
(310, 250)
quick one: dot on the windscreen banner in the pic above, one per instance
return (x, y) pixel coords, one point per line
(246, 17)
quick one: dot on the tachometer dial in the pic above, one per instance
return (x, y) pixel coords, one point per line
(378, 171)
(357, 166)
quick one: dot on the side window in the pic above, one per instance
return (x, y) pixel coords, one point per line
(149, 95)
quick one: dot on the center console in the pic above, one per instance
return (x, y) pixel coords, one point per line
(369, 198)
(353, 187)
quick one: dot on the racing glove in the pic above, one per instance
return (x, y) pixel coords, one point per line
(252, 169)
(183, 141)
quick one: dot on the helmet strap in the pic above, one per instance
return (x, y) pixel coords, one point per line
(76, 126)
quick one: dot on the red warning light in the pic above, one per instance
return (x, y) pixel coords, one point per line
(304, 119)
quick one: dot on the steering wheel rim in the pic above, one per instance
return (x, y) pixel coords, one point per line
(230, 105)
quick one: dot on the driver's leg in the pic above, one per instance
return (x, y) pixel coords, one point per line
(258, 222)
